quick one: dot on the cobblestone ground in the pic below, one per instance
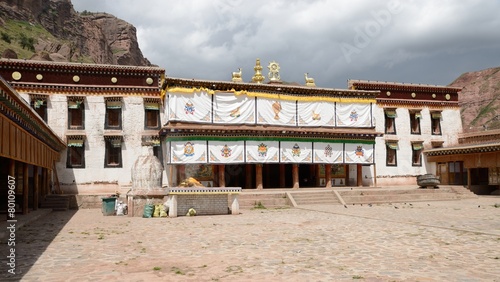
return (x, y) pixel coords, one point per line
(426, 241)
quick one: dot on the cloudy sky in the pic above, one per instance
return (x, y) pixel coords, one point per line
(424, 41)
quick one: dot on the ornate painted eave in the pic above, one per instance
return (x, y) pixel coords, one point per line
(479, 137)
(367, 84)
(17, 109)
(86, 89)
(80, 67)
(465, 149)
(421, 103)
(180, 130)
(269, 88)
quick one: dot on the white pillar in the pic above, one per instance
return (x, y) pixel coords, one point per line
(172, 209)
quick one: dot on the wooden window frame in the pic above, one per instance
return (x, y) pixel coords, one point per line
(113, 113)
(416, 155)
(75, 149)
(388, 153)
(41, 110)
(415, 122)
(436, 124)
(388, 121)
(72, 112)
(113, 150)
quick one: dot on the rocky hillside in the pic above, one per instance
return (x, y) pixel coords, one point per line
(479, 99)
(52, 30)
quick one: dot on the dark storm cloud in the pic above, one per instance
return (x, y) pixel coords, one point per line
(405, 41)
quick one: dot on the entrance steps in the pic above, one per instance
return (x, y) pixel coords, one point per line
(398, 195)
(326, 197)
(55, 202)
(463, 193)
(250, 200)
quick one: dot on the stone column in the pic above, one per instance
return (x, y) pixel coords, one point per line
(25, 189)
(328, 175)
(374, 175)
(36, 188)
(282, 175)
(258, 177)
(222, 177)
(359, 170)
(295, 176)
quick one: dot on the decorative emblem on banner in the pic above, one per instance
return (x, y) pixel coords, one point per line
(226, 151)
(316, 116)
(188, 149)
(235, 113)
(360, 152)
(276, 109)
(262, 149)
(328, 151)
(296, 150)
(353, 116)
(189, 108)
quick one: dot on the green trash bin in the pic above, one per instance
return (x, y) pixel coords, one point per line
(108, 206)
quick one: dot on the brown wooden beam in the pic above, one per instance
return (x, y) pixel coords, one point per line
(36, 188)
(258, 177)
(25, 189)
(328, 175)
(295, 176)
(359, 170)
(222, 177)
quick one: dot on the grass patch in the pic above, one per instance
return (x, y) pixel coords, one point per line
(156, 268)
(358, 277)
(177, 270)
(259, 205)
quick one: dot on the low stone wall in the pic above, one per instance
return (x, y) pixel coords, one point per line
(206, 201)
(203, 204)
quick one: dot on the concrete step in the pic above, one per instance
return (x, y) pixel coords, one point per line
(309, 198)
(267, 200)
(55, 202)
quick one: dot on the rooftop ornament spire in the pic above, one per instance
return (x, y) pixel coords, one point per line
(258, 77)
(274, 72)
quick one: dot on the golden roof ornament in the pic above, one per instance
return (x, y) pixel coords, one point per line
(274, 72)
(258, 77)
(236, 77)
(309, 80)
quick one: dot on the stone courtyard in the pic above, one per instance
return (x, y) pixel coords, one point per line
(419, 241)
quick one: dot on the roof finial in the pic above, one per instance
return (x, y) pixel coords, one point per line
(258, 77)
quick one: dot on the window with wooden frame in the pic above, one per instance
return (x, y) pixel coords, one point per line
(416, 156)
(152, 113)
(154, 142)
(390, 121)
(415, 117)
(113, 154)
(75, 152)
(391, 153)
(39, 104)
(436, 123)
(113, 119)
(76, 113)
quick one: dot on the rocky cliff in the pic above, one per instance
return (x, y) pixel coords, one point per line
(53, 30)
(479, 99)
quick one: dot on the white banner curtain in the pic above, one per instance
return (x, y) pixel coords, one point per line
(222, 152)
(295, 152)
(262, 151)
(353, 115)
(188, 152)
(328, 153)
(316, 114)
(233, 109)
(277, 112)
(190, 107)
(358, 153)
